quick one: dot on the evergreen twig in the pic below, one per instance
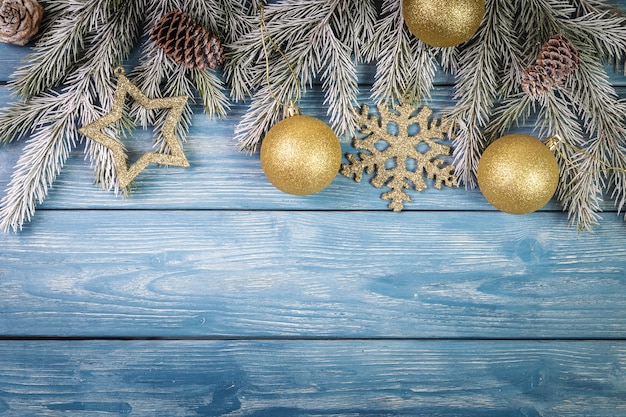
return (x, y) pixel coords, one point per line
(405, 66)
(479, 69)
(67, 82)
(61, 114)
(585, 112)
(59, 49)
(317, 38)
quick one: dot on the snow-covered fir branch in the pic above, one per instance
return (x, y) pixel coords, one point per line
(479, 68)
(61, 47)
(60, 114)
(586, 112)
(304, 40)
(405, 66)
(68, 81)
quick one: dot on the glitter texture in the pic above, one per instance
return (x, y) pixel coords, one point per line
(402, 161)
(126, 174)
(300, 155)
(518, 174)
(443, 23)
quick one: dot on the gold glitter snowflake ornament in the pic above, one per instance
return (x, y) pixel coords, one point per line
(399, 157)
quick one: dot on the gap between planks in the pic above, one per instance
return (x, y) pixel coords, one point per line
(4, 338)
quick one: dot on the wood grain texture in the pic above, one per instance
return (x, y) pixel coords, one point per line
(312, 378)
(239, 300)
(267, 273)
(221, 177)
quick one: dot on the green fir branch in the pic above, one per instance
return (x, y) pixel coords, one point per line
(585, 112)
(598, 35)
(30, 181)
(354, 22)
(155, 67)
(21, 118)
(179, 84)
(538, 20)
(606, 32)
(211, 89)
(514, 110)
(147, 76)
(67, 82)
(265, 111)
(580, 187)
(44, 155)
(339, 82)
(512, 51)
(617, 159)
(112, 44)
(604, 118)
(234, 18)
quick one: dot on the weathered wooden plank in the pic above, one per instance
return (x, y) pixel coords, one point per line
(11, 57)
(221, 177)
(267, 273)
(312, 378)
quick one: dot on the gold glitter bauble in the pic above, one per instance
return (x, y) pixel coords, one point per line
(443, 23)
(300, 155)
(518, 174)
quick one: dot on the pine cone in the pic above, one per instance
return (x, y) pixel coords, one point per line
(556, 61)
(19, 20)
(187, 42)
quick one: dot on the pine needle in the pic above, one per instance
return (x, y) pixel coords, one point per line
(318, 39)
(67, 82)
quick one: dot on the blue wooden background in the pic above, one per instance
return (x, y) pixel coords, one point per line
(208, 292)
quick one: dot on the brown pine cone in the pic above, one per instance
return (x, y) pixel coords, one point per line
(19, 20)
(556, 61)
(186, 42)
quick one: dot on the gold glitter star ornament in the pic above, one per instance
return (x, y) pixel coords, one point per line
(125, 173)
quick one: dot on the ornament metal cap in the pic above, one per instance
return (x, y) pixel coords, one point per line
(292, 109)
(553, 142)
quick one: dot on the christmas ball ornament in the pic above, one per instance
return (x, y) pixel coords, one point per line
(443, 23)
(518, 174)
(300, 155)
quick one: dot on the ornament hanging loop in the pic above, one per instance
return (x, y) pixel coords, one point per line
(119, 71)
(292, 109)
(554, 143)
